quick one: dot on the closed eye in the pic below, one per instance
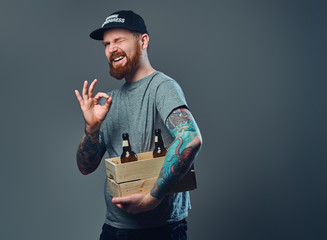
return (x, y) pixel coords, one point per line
(116, 41)
(106, 44)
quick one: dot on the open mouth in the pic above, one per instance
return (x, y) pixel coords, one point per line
(117, 59)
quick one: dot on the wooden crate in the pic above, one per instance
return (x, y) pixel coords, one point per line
(140, 176)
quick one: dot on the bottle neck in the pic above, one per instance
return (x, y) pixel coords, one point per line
(158, 141)
(126, 145)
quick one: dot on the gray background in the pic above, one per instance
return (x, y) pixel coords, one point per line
(254, 75)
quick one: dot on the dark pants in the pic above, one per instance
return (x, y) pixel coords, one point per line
(172, 231)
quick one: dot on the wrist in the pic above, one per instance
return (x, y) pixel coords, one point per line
(153, 201)
(92, 129)
(154, 198)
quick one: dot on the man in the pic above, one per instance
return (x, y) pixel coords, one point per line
(147, 100)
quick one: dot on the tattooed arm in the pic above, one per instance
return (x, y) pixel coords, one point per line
(181, 153)
(90, 152)
(91, 149)
(178, 161)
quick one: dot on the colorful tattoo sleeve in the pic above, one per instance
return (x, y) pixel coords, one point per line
(181, 153)
(90, 152)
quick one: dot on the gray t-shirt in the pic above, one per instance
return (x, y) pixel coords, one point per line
(138, 109)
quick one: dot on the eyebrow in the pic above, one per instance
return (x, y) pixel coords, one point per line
(115, 40)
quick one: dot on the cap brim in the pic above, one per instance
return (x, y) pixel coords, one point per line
(98, 33)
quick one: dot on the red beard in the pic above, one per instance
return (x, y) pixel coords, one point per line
(131, 65)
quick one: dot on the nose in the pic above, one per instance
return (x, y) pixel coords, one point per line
(112, 49)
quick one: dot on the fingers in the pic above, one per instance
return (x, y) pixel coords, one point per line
(134, 203)
(84, 91)
(103, 95)
(87, 93)
(126, 208)
(108, 103)
(121, 200)
(79, 98)
(91, 89)
(120, 206)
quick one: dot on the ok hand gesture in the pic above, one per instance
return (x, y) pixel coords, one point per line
(93, 112)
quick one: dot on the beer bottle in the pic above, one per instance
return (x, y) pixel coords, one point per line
(128, 155)
(159, 149)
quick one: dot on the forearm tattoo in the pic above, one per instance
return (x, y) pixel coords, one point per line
(181, 153)
(90, 152)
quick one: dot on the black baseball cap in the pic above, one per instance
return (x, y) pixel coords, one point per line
(121, 19)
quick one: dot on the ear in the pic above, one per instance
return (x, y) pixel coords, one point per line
(144, 41)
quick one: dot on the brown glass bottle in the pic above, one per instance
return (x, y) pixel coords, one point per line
(128, 155)
(159, 150)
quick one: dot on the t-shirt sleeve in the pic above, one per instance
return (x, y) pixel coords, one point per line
(168, 97)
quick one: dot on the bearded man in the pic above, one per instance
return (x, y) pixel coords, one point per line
(148, 100)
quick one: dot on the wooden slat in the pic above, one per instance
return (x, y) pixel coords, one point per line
(140, 176)
(144, 186)
(145, 167)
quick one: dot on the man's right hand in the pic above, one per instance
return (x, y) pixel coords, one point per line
(93, 112)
